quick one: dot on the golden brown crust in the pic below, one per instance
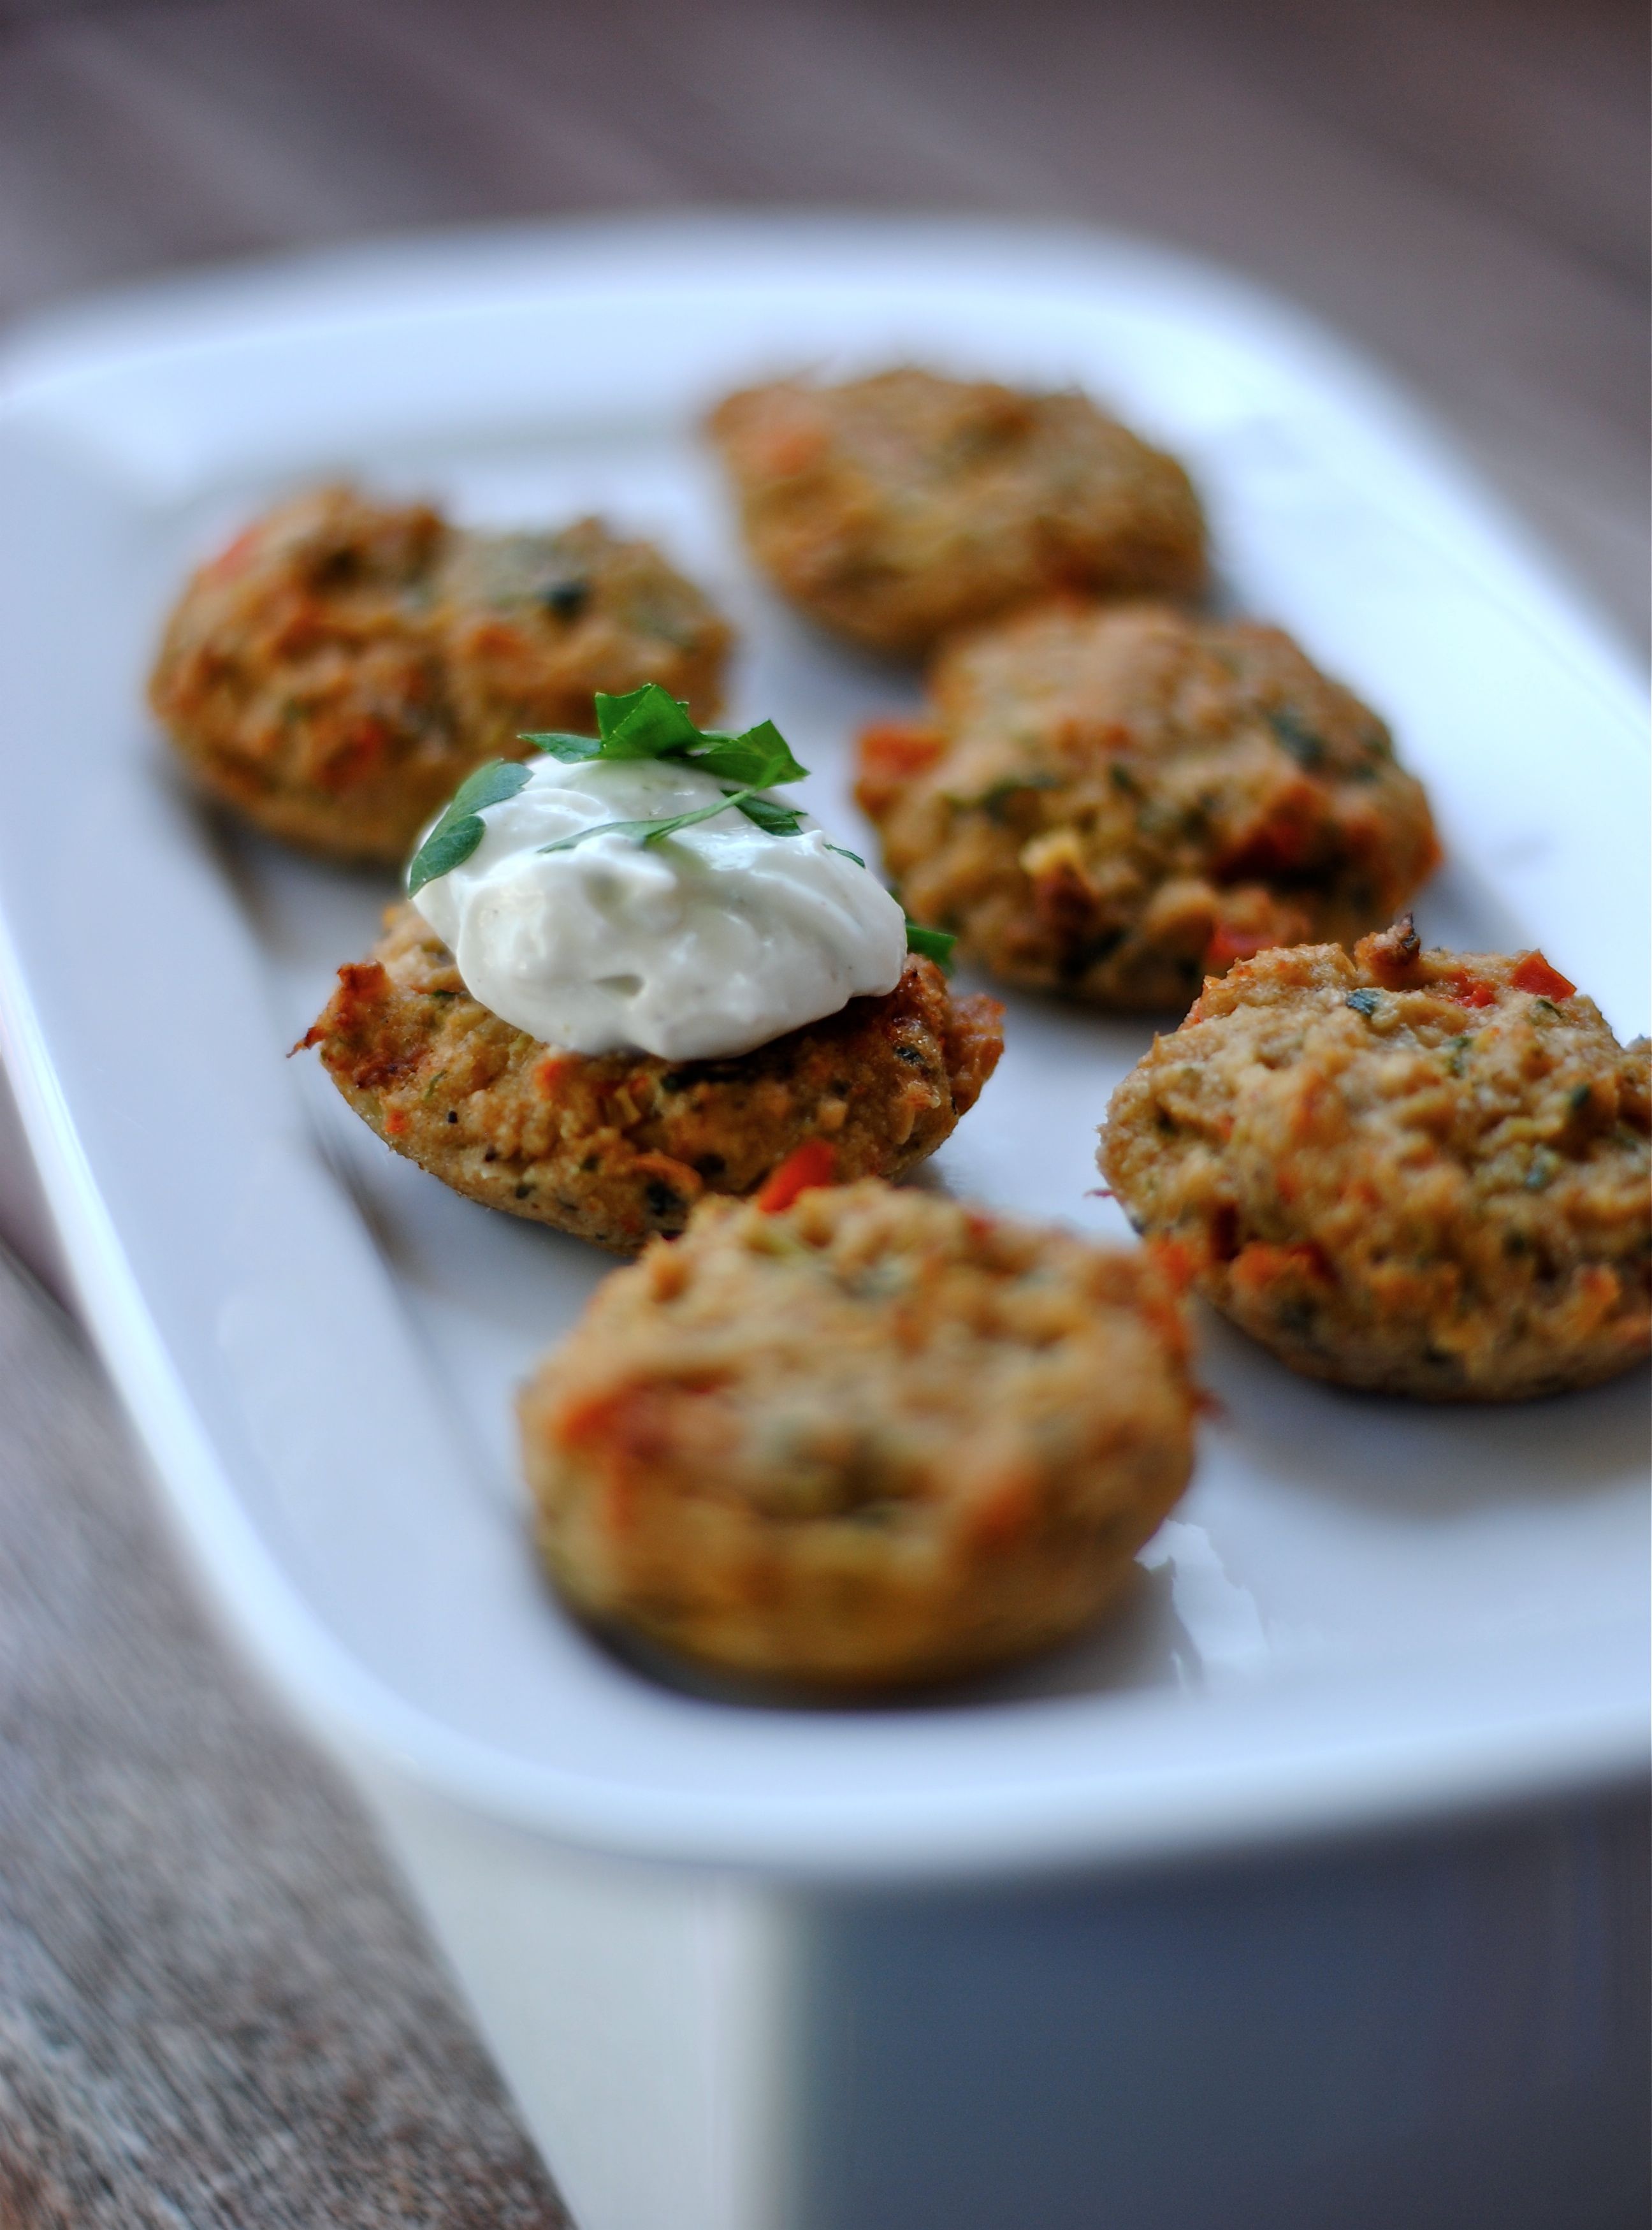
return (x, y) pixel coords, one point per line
(337, 670)
(617, 1148)
(895, 508)
(877, 1437)
(1112, 803)
(1423, 1172)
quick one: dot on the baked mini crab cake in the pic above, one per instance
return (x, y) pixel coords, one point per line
(1423, 1172)
(631, 975)
(875, 1438)
(1112, 803)
(893, 509)
(617, 1148)
(337, 670)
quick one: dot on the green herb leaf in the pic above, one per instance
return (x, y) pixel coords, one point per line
(759, 758)
(933, 944)
(557, 746)
(1365, 1000)
(773, 820)
(458, 832)
(650, 724)
(992, 800)
(843, 853)
(645, 724)
(1297, 737)
(650, 832)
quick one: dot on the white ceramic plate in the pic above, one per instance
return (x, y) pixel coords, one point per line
(1362, 1611)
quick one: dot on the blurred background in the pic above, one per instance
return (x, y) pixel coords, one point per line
(1460, 184)
(212, 2006)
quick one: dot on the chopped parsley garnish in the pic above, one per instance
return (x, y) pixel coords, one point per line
(650, 724)
(645, 724)
(1364, 1001)
(566, 599)
(655, 832)
(458, 832)
(933, 944)
(996, 796)
(1296, 736)
(776, 820)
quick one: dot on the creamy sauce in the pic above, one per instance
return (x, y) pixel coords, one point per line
(701, 946)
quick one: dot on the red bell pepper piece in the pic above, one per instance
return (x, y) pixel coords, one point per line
(1227, 945)
(812, 1163)
(1534, 974)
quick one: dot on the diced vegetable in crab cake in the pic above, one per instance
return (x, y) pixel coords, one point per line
(1114, 802)
(871, 1438)
(1426, 1172)
(337, 669)
(894, 509)
(629, 976)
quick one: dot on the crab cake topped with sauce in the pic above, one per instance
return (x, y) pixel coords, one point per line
(618, 1147)
(1114, 802)
(337, 671)
(630, 974)
(895, 508)
(1424, 1172)
(875, 1438)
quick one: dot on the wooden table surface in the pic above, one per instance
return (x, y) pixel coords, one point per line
(214, 2008)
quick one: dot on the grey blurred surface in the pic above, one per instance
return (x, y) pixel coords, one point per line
(213, 2008)
(1430, 2033)
(1460, 184)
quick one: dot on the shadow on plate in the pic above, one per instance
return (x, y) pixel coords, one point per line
(1424, 1459)
(1140, 1644)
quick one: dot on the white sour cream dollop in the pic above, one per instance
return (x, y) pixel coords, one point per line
(704, 945)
